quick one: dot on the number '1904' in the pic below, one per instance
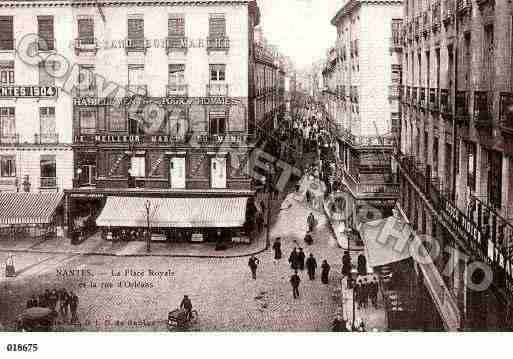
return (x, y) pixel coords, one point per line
(22, 347)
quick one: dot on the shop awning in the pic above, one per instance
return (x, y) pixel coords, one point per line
(28, 207)
(386, 241)
(173, 212)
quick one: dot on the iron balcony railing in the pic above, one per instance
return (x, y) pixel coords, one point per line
(463, 5)
(483, 109)
(217, 90)
(86, 45)
(177, 44)
(48, 182)
(136, 44)
(414, 97)
(433, 99)
(10, 138)
(435, 16)
(461, 102)
(422, 97)
(445, 101)
(425, 23)
(393, 92)
(177, 90)
(218, 43)
(42, 138)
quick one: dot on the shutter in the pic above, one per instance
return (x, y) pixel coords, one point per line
(176, 25)
(86, 31)
(6, 33)
(45, 32)
(135, 28)
(217, 26)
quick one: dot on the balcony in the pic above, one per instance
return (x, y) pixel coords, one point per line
(445, 101)
(422, 97)
(394, 92)
(46, 45)
(177, 90)
(218, 43)
(177, 44)
(48, 182)
(136, 45)
(9, 139)
(414, 92)
(217, 90)
(483, 118)
(396, 41)
(462, 112)
(141, 90)
(88, 45)
(42, 138)
(433, 99)
(416, 25)
(425, 24)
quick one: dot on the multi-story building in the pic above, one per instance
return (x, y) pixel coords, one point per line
(153, 112)
(362, 75)
(35, 126)
(456, 154)
(268, 82)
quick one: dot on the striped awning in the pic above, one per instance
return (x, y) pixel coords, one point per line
(28, 207)
(173, 212)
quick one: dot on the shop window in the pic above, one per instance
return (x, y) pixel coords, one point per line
(7, 166)
(117, 119)
(87, 119)
(7, 73)
(137, 166)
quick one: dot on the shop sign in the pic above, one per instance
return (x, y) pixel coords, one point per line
(28, 91)
(128, 139)
(87, 195)
(161, 101)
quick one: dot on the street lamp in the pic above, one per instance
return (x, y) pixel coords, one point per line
(148, 229)
(268, 182)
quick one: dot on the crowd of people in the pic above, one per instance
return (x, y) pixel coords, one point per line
(63, 303)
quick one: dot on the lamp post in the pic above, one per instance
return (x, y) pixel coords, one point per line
(148, 229)
(268, 182)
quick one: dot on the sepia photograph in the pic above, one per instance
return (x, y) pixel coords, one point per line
(233, 166)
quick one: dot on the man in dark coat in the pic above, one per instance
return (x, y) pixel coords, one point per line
(346, 264)
(64, 303)
(53, 298)
(308, 238)
(373, 292)
(277, 248)
(73, 306)
(325, 272)
(253, 265)
(311, 222)
(311, 265)
(294, 281)
(301, 259)
(362, 265)
(186, 305)
(365, 293)
(339, 324)
(293, 260)
(260, 222)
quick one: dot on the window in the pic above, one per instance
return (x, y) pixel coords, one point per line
(177, 122)
(217, 123)
(7, 73)
(471, 165)
(217, 72)
(7, 121)
(117, 119)
(448, 165)
(495, 178)
(47, 120)
(7, 166)
(48, 167)
(45, 33)
(176, 74)
(489, 56)
(86, 31)
(87, 120)
(137, 166)
(467, 58)
(46, 69)
(6, 33)
(217, 25)
(136, 28)
(176, 25)
(136, 81)
(86, 79)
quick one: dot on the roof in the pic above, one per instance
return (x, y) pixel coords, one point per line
(28, 207)
(28, 3)
(349, 5)
(173, 212)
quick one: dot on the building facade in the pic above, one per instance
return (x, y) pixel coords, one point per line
(456, 151)
(362, 76)
(157, 112)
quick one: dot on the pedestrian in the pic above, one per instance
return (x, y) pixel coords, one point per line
(41, 301)
(301, 259)
(63, 303)
(365, 293)
(339, 324)
(253, 265)
(346, 264)
(260, 222)
(47, 298)
(357, 289)
(277, 249)
(308, 196)
(325, 272)
(308, 239)
(311, 265)
(53, 298)
(73, 306)
(310, 220)
(293, 260)
(373, 291)
(294, 281)
(362, 265)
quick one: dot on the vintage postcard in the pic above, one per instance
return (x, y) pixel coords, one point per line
(255, 166)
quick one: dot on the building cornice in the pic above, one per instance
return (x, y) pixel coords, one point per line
(92, 3)
(351, 5)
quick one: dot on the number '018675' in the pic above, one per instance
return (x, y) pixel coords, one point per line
(22, 347)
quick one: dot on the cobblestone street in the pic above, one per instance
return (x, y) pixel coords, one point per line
(221, 290)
